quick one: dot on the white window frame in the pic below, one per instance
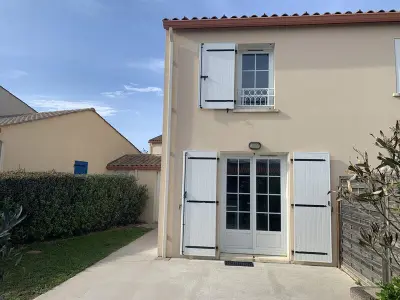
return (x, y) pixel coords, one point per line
(271, 77)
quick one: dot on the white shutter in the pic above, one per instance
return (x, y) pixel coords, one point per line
(312, 207)
(217, 76)
(199, 190)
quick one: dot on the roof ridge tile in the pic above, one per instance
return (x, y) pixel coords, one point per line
(327, 18)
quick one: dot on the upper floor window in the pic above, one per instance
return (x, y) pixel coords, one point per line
(255, 84)
(236, 76)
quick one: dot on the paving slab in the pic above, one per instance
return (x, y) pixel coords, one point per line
(134, 273)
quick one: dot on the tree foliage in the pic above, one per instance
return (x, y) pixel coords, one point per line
(8, 220)
(379, 193)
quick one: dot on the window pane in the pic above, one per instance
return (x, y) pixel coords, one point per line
(244, 167)
(262, 61)
(244, 221)
(274, 167)
(231, 220)
(231, 202)
(244, 202)
(274, 185)
(248, 61)
(231, 184)
(247, 79)
(262, 222)
(244, 184)
(262, 167)
(232, 167)
(274, 222)
(262, 185)
(262, 203)
(275, 204)
(262, 79)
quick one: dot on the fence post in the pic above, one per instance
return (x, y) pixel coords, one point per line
(386, 273)
(386, 268)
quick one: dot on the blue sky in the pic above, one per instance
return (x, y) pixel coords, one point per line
(108, 54)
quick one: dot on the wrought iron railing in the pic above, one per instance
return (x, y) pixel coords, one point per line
(256, 97)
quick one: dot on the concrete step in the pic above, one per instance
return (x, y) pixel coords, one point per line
(364, 292)
(253, 258)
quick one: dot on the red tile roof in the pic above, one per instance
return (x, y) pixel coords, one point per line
(136, 162)
(18, 119)
(156, 140)
(359, 17)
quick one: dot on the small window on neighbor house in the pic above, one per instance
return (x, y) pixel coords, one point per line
(256, 78)
(397, 57)
(80, 167)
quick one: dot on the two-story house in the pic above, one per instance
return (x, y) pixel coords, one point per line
(155, 145)
(260, 117)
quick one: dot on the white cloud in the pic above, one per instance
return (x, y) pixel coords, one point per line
(115, 94)
(51, 105)
(133, 88)
(153, 64)
(149, 89)
(13, 74)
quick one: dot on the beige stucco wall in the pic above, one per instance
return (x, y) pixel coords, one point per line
(155, 149)
(333, 87)
(55, 143)
(11, 105)
(151, 179)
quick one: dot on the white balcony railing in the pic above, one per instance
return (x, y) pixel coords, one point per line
(256, 97)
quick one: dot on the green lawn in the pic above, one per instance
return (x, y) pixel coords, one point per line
(46, 265)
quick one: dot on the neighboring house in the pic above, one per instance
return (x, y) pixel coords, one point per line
(74, 141)
(11, 105)
(146, 168)
(260, 117)
(155, 145)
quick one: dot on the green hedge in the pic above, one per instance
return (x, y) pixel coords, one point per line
(62, 205)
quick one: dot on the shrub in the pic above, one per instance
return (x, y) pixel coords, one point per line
(8, 220)
(61, 205)
(391, 290)
(380, 182)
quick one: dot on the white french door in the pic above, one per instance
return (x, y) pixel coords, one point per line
(253, 205)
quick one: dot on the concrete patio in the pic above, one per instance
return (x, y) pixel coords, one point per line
(134, 273)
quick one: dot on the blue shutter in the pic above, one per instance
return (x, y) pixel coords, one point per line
(80, 167)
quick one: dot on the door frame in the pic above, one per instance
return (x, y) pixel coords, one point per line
(285, 211)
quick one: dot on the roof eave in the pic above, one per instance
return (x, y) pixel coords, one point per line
(130, 168)
(286, 21)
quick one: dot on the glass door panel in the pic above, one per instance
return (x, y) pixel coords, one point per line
(268, 194)
(238, 194)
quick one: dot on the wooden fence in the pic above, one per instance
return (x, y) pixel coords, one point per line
(359, 262)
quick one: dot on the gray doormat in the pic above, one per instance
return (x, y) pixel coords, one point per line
(239, 263)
